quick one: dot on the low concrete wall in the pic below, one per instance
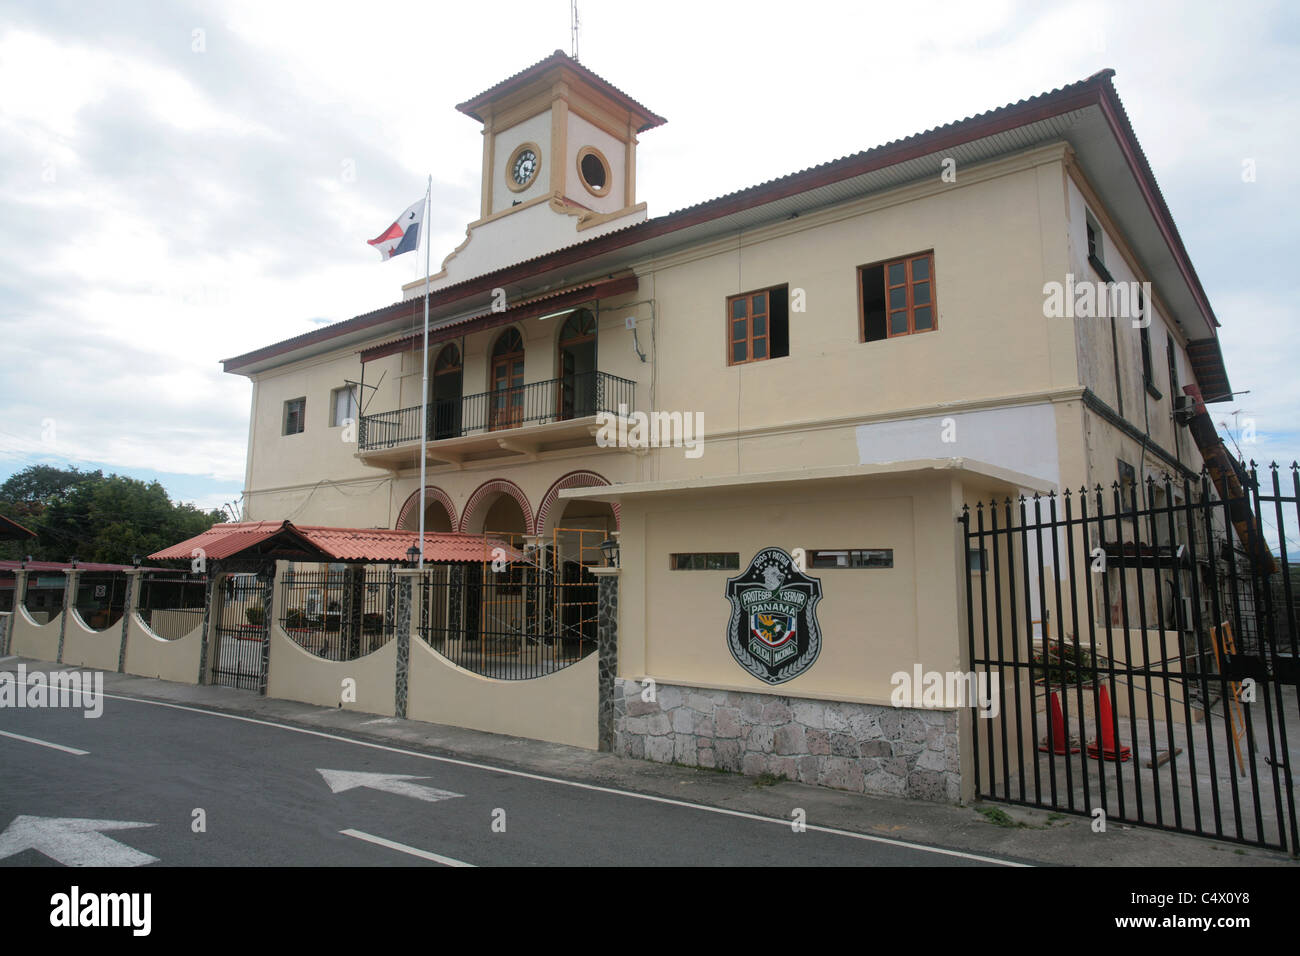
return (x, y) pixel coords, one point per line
(148, 655)
(38, 641)
(296, 674)
(85, 647)
(559, 707)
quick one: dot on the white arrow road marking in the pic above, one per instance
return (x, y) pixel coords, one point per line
(398, 783)
(44, 743)
(73, 841)
(403, 848)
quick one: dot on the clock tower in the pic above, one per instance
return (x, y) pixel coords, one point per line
(559, 166)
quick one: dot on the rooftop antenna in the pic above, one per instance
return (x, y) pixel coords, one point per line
(573, 27)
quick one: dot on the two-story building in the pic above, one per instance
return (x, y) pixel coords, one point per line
(830, 364)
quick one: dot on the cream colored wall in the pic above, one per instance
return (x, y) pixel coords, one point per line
(994, 234)
(582, 133)
(148, 655)
(559, 707)
(85, 647)
(296, 674)
(516, 234)
(875, 621)
(534, 130)
(285, 470)
(38, 641)
(1097, 355)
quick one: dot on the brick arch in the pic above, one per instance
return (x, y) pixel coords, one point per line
(504, 486)
(431, 494)
(574, 479)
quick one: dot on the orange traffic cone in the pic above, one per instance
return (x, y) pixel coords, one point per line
(1107, 749)
(1058, 741)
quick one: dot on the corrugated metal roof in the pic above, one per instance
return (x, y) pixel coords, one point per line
(375, 545)
(559, 58)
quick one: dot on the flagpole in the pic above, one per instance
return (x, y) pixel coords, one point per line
(424, 386)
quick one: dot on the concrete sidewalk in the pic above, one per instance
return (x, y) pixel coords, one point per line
(997, 830)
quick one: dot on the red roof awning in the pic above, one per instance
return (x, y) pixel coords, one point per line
(529, 308)
(284, 540)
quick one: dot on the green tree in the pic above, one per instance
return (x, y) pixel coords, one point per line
(94, 517)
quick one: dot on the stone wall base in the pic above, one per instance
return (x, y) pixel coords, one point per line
(866, 748)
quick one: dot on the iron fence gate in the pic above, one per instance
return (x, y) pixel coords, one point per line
(529, 613)
(339, 614)
(1140, 647)
(241, 632)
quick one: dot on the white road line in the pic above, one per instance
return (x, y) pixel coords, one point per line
(576, 784)
(45, 743)
(402, 847)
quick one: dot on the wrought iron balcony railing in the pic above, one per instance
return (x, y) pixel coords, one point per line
(537, 403)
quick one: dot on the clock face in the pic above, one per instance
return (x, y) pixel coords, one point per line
(525, 166)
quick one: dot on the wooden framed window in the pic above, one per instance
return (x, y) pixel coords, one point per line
(507, 407)
(898, 297)
(758, 326)
(294, 413)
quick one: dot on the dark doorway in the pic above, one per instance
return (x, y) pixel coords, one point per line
(577, 385)
(445, 399)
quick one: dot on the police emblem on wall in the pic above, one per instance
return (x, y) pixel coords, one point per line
(773, 630)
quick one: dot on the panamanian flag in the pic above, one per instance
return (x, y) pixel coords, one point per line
(403, 235)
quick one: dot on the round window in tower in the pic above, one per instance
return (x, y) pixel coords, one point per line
(593, 169)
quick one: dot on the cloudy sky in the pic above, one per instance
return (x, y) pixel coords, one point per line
(181, 182)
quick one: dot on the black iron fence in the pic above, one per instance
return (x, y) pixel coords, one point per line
(537, 403)
(339, 614)
(171, 603)
(1139, 645)
(100, 598)
(511, 620)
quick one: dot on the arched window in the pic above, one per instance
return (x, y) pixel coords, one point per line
(579, 327)
(448, 361)
(577, 365)
(445, 395)
(507, 407)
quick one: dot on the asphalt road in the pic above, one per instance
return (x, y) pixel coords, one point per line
(265, 801)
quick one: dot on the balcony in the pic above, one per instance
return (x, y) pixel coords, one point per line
(518, 421)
